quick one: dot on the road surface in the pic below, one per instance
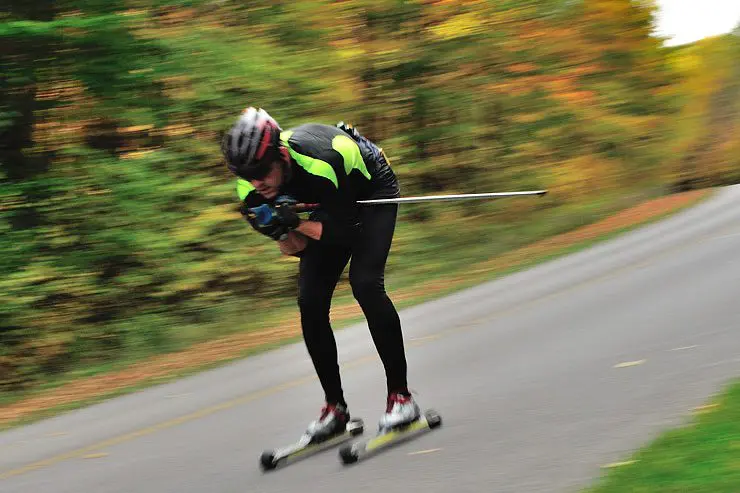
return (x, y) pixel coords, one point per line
(541, 377)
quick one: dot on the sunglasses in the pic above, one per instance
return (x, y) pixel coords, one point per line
(259, 172)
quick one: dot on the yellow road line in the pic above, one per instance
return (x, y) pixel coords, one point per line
(628, 364)
(422, 452)
(98, 455)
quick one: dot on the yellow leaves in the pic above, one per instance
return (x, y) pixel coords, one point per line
(177, 130)
(609, 9)
(35, 273)
(52, 345)
(197, 228)
(135, 129)
(137, 154)
(581, 176)
(134, 12)
(533, 150)
(526, 118)
(459, 26)
(178, 87)
(686, 61)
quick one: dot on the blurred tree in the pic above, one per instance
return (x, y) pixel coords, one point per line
(120, 232)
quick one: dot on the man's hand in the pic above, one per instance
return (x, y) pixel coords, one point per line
(294, 244)
(264, 219)
(275, 220)
(285, 210)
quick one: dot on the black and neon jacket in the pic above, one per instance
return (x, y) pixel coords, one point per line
(334, 168)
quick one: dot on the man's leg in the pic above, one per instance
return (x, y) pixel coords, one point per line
(367, 278)
(320, 268)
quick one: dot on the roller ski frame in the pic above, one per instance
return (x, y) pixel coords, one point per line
(351, 453)
(306, 446)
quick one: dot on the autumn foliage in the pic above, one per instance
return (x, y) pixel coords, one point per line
(119, 224)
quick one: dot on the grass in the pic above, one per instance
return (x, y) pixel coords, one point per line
(700, 457)
(528, 245)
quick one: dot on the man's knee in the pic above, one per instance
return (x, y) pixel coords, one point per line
(366, 286)
(309, 302)
(313, 302)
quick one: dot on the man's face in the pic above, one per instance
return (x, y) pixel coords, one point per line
(269, 185)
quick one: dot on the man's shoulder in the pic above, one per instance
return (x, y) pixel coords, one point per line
(310, 133)
(315, 141)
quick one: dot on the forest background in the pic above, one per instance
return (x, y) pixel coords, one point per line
(121, 237)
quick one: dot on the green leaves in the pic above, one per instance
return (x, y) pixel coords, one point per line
(119, 220)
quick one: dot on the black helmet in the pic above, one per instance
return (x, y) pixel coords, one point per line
(251, 145)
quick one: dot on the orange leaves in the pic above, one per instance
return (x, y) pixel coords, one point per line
(514, 87)
(576, 97)
(521, 68)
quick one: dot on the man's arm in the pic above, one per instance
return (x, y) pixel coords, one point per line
(312, 229)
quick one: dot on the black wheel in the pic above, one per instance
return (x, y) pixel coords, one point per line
(434, 419)
(267, 461)
(358, 430)
(347, 455)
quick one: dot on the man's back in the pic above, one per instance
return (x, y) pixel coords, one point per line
(347, 153)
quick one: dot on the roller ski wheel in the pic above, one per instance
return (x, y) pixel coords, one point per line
(433, 419)
(386, 438)
(307, 446)
(267, 461)
(348, 455)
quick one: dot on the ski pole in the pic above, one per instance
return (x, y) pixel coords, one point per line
(464, 196)
(432, 198)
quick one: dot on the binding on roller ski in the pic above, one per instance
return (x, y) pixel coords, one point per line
(309, 444)
(388, 436)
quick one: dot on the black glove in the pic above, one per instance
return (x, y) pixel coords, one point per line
(264, 219)
(275, 231)
(274, 220)
(285, 210)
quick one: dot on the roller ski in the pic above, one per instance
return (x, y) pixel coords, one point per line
(333, 428)
(403, 420)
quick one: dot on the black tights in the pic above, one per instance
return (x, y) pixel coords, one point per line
(320, 268)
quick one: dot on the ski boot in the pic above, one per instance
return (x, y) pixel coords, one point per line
(401, 410)
(332, 421)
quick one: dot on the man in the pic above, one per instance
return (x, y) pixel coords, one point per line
(334, 167)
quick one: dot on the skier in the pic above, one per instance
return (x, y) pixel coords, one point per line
(333, 166)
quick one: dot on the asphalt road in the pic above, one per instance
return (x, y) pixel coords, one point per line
(541, 378)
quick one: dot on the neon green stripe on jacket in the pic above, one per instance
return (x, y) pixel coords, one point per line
(312, 165)
(351, 155)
